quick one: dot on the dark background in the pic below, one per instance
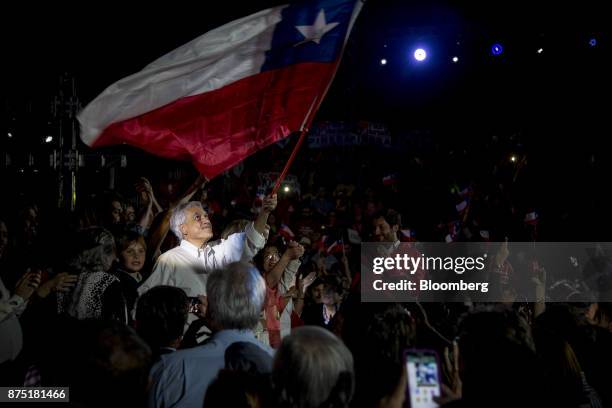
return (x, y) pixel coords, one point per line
(551, 107)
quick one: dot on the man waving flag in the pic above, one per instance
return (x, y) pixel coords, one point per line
(230, 92)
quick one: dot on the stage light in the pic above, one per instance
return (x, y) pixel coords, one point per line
(540, 50)
(286, 189)
(455, 59)
(48, 139)
(9, 134)
(497, 49)
(593, 42)
(383, 61)
(420, 54)
(513, 158)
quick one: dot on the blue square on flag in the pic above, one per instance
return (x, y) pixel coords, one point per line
(309, 32)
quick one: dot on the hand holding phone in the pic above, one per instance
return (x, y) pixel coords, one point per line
(194, 303)
(198, 306)
(423, 373)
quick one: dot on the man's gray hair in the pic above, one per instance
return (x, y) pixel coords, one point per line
(179, 216)
(236, 296)
(313, 368)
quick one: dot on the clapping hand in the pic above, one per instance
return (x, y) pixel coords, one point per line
(28, 283)
(62, 282)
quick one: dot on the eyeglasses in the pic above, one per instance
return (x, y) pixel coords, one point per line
(271, 256)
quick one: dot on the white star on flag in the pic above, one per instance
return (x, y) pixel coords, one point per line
(316, 31)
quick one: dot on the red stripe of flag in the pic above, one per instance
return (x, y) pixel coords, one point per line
(218, 129)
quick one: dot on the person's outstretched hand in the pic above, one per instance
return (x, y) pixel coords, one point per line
(62, 282)
(294, 250)
(269, 203)
(502, 254)
(28, 283)
(452, 391)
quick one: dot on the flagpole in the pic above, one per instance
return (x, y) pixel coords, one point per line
(304, 129)
(310, 115)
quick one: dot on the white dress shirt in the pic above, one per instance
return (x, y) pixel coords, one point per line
(187, 266)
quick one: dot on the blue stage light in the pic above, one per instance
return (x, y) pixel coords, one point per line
(497, 49)
(420, 54)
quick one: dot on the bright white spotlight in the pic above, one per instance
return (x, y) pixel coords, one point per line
(383, 61)
(540, 50)
(420, 54)
(48, 139)
(9, 134)
(513, 159)
(455, 59)
(286, 189)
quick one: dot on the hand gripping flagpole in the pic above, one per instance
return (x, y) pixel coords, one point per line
(303, 130)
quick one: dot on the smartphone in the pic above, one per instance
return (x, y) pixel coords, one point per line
(193, 304)
(423, 374)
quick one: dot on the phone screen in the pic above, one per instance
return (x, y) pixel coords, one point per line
(193, 304)
(423, 378)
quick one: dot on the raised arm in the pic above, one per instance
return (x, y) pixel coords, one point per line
(143, 186)
(301, 286)
(269, 205)
(244, 246)
(293, 252)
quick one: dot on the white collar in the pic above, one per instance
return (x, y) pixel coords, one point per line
(192, 249)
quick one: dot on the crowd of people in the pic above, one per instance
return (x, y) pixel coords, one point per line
(222, 294)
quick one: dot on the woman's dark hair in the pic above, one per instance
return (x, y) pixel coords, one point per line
(498, 358)
(108, 365)
(332, 284)
(259, 258)
(563, 372)
(377, 334)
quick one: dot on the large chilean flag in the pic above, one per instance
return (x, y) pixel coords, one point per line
(229, 92)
